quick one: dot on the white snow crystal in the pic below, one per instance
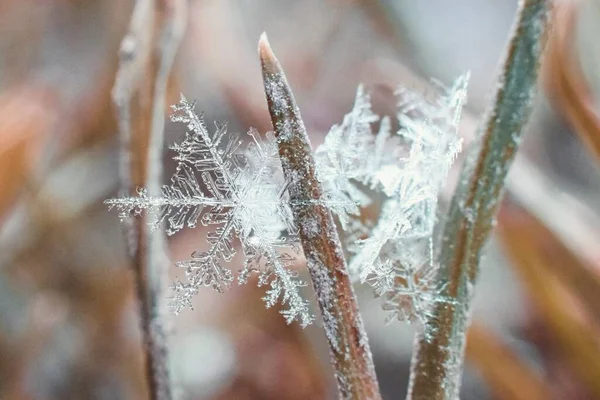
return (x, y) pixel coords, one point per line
(408, 170)
(239, 195)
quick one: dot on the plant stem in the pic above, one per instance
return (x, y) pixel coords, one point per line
(144, 70)
(437, 363)
(348, 343)
(133, 57)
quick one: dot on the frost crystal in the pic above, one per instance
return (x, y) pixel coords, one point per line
(239, 195)
(243, 197)
(343, 166)
(340, 160)
(408, 170)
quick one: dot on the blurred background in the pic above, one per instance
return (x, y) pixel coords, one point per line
(68, 320)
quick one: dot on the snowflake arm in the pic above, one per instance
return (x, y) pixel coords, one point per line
(341, 162)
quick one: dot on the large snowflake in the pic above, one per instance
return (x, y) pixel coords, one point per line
(239, 194)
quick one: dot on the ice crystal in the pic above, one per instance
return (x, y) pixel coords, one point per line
(238, 194)
(408, 170)
(342, 166)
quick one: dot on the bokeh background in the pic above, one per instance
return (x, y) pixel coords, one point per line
(68, 317)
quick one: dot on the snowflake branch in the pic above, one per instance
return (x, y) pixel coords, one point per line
(348, 343)
(147, 248)
(437, 360)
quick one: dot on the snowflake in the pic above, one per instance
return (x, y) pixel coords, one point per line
(407, 169)
(341, 162)
(239, 195)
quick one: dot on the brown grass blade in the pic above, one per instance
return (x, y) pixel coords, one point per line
(438, 357)
(577, 339)
(508, 376)
(146, 58)
(566, 83)
(348, 343)
(581, 279)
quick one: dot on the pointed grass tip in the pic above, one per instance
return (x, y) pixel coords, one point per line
(268, 60)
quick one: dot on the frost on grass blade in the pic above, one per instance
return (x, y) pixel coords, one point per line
(239, 195)
(408, 169)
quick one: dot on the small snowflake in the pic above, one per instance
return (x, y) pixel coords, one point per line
(407, 170)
